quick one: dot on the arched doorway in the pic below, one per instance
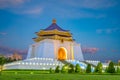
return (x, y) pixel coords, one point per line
(62, 54)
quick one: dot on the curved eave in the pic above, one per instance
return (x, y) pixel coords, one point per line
(57, 29)
(34, 38)
(56, 32)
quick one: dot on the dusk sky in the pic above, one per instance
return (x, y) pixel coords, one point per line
(95, 24)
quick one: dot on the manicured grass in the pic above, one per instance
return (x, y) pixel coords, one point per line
(58, 76)
(25, 72)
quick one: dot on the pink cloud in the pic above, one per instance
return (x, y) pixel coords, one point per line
(8, 50)
(90, 50)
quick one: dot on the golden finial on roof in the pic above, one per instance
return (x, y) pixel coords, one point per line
(54, 21)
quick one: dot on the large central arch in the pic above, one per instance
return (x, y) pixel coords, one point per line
(62, 53)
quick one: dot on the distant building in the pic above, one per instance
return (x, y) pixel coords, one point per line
(119, 61)
(15, 56)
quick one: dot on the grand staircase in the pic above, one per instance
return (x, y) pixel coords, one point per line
(46, 64)
(35, 63)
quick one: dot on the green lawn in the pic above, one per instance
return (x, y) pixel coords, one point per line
(58, 76)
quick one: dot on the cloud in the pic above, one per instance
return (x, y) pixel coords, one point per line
(71, 9)
(108, 30)
(91, 4)
(83, 8)
(36, 10)
(99, 31)
(11, 3)
(76, 13)
(3, 33)
(78, 8)
(17, 7)
(90, 50)
(20, 6)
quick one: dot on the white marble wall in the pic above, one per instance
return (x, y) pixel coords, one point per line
(78, 52)
(48, 48)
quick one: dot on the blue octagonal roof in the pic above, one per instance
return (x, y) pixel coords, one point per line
(54, 26)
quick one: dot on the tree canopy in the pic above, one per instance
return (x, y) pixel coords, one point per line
(111, 68)
(71, 68)
(77, 68)
(57, 70)
(98, 68)
(64, 69)
(88, 69)
(2, 60)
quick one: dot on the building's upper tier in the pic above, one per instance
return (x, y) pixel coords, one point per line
(52, 32)
(54, 29)
(54, 26)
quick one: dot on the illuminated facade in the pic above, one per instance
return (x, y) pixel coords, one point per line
(54, 42)
(53, 47)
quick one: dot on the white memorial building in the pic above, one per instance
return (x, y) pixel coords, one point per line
(53, 46)
(54, 42)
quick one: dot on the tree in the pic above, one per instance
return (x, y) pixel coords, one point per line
(8, 60)
(57, 70)
(111, 68)
(50, 70)
(119, 63)
(64, 69)
(98, 68)
(118, 70)
(77, 68)
(106, 69)
(71, 68)
(2, 62)
(88, 69)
